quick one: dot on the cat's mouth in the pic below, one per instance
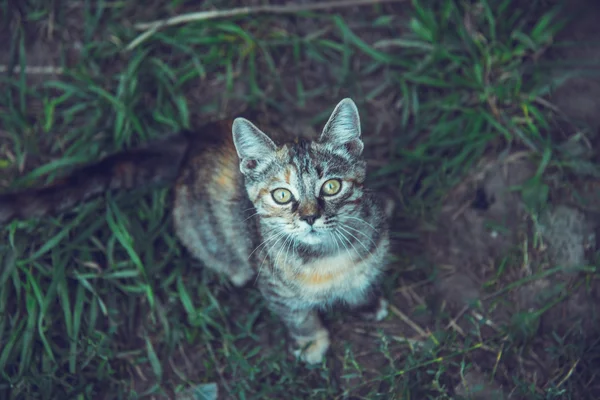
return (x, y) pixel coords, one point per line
(311, 236)
(310, 232)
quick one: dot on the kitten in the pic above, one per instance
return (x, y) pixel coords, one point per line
(315, 235)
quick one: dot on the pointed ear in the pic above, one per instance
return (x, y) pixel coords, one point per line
(342, 132)
(254, 147)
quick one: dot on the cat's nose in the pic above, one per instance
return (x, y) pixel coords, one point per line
(310, 219)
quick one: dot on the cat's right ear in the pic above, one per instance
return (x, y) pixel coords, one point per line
(254, 148)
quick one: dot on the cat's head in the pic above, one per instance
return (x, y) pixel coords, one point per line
(306, 191)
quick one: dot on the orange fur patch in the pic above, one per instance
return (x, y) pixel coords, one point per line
(226, 164)
(262, 192)
(318, 278)
(224, 179)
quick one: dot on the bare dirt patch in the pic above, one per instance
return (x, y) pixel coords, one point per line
(515, 275)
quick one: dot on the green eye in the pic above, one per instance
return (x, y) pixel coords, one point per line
(281, 196)
(331, 187)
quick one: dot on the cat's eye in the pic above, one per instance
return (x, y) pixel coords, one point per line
(331, 187)
(281, 196)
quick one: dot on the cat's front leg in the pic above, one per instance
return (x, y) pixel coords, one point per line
(310, 336)
(303, 323)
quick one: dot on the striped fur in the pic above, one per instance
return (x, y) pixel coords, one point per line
(340, 257)
(318, 249)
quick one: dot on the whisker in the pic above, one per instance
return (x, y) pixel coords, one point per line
(266, 241)
(361, 220)
(276, 259)
(287, 251)
(351, 244)
(335, 240)
(256, 213)
(343, 244)
(361, 232)
(358, 240)
(281, 236)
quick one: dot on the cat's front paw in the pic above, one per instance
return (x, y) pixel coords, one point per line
(318, 345)
(241, 278)
(377, 312)
(382, 311)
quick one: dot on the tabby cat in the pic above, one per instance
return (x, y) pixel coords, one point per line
(315, 234)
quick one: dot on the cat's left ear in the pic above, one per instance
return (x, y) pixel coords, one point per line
(342, 131)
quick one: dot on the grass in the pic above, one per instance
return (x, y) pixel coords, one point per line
(104, 303)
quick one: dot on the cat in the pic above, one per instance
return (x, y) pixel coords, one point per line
(315, 235)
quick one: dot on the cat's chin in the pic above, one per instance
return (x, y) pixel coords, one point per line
(311, 237)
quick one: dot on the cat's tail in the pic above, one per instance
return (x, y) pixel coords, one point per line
(156, 163)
